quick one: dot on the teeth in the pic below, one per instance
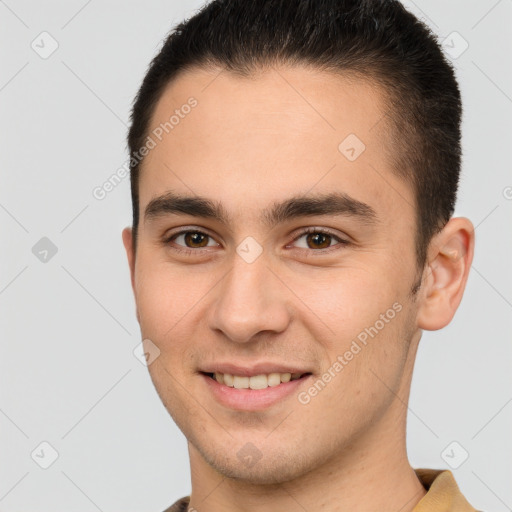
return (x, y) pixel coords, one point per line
(240, 382)
(256, 381)
(274, 379)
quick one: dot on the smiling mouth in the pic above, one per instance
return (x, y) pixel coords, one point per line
(261, 381)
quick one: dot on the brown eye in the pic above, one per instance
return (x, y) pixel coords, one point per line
(195, 238)
(187, 241)
(320, 239)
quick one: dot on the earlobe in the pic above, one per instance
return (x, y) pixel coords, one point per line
(128, 245)
(450, 256)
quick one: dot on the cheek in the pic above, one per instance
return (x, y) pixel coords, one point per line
(345, 302)
(365, 315)
(362, 375)
(164, 297)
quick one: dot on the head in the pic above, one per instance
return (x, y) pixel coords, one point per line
(261, 119)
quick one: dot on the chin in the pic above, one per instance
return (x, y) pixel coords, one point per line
(273, 469)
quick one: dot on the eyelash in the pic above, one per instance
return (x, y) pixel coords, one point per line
(306, 231)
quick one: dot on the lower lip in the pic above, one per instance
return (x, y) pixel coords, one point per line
(252, 399)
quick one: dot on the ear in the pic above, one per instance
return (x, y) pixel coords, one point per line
(449, 259)
(128, 245)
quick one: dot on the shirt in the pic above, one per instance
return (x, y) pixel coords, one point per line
(443, 494)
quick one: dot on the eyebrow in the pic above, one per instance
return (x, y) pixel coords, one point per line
(336, 203)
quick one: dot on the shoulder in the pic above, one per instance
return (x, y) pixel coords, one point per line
(179, 506)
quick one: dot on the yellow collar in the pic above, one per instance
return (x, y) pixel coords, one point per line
(443, 493)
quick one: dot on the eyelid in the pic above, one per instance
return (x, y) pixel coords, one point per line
(184, 230)
(322, 230)
(342, 241)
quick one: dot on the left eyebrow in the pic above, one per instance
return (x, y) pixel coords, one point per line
(335, 203)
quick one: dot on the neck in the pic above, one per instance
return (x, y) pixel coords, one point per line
(370, 475)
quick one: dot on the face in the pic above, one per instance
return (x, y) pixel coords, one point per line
(300, 259)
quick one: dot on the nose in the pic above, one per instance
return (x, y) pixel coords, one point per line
(250, 300)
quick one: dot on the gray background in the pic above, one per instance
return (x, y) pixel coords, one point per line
(68, 326)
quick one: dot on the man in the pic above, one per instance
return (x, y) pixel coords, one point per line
(294, 173)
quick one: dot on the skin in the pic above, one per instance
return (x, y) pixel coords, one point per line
(249, 143)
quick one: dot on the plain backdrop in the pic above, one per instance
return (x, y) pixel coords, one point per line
(69, 377)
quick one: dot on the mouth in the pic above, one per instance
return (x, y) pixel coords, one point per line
(257, 392)
(254, 382)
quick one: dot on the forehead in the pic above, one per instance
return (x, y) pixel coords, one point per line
(248, 142)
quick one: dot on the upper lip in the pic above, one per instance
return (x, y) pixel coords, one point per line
(250, 371)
